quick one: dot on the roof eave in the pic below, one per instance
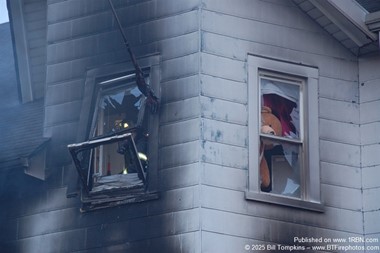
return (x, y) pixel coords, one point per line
(349, 17)
(345, 20)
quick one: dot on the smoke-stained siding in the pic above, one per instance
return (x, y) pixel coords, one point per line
(280, 30)
(83, 35)
(203, 129)
(369, 117)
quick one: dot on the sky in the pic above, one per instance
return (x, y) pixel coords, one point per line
(3, 12)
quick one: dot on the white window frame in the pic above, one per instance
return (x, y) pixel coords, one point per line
(310, 196)
(94, 80)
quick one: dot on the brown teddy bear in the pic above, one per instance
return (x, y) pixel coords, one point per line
(270, 124)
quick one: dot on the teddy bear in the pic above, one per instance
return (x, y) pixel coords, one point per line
(270, 124)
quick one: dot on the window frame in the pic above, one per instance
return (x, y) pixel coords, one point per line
(95, 78)
(310, 177)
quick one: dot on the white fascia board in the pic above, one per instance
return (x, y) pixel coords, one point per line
(21, 47)
(349, 17)
(373, 21)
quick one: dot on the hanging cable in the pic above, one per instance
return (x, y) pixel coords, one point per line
(145, 89)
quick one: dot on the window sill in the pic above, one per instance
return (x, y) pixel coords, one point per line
(111, 199)
(284, 201)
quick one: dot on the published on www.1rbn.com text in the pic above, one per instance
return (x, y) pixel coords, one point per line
(315, 244)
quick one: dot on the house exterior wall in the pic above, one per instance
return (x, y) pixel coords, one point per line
(203, 130)
(275, 29)
(369, 119)
(29, 20)
(82, 35)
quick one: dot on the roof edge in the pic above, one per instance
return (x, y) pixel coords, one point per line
(349, 17)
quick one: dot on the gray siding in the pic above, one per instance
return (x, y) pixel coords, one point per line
(203, 128)
(35, 28)
(83, 35)
(369, 117)
(276, 29)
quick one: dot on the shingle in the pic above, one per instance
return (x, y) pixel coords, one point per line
(20, 130)
(20, 124)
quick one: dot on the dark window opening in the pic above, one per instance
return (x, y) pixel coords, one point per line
(113, 164)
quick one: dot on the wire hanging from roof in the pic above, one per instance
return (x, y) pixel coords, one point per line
(145, 88)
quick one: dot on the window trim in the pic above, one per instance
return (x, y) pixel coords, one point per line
(311, 195)
(78, 147)
(92, 86)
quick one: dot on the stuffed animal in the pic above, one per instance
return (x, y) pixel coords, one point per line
(270, 124)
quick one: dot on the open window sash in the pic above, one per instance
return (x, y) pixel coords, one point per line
(82, 154)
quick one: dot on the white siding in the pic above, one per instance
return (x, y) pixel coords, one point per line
(370, 119)
(275, 29)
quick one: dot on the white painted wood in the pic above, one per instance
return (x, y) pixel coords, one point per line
(273, 28)
(175, 200)
(226, 177)
(311, 193)
(368, 133)
(370, 155)
(369, 90)
(179, 89)
(222, 243)
(369, 68)
(175, 68)
(339, 89)
(225, 155)
(232, 112)
(371, 177)
(180, 110)
(177, 155)
(342, 197)
(339, 153)
(223, 67)
(260, 229)
(371, 200)
(180, 132)
(372, 224)
(373, 242)
(339, 131)
(237, 48)
(185, 243)
(21, 46)
(339, 111)
(231, 201)
(269, 12)
(172, 26)
(179, 177)
(369, 112)
(341, 175)
(221, 88)
(225, 133)
(169, 48)
(275, 35)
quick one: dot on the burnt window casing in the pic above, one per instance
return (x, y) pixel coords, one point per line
(288, 92)
(117, 159)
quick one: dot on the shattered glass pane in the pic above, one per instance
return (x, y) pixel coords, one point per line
(280, 160)
(119, 109)
(284, 101)
(284, 162)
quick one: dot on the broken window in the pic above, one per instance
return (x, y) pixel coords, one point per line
(114, 163)
(281, 149)
(283, 133)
